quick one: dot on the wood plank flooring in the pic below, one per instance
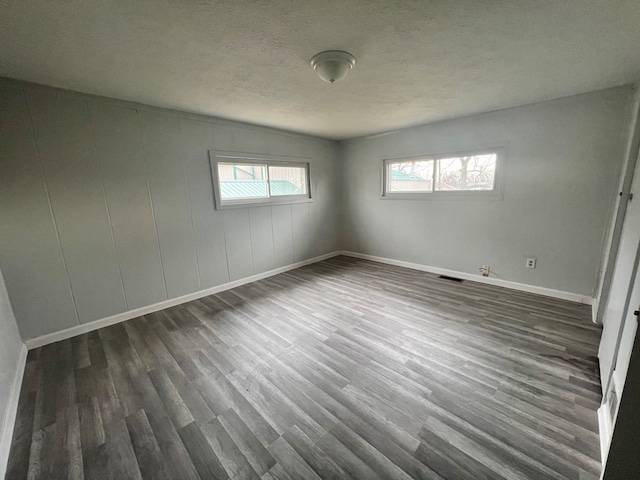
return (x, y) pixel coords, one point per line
(341, 369)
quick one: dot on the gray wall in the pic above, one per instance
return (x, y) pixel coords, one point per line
(563, 166)
(10, 346)
(107, 206)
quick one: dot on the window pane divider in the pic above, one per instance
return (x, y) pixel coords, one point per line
(433, 176)
(266, 167)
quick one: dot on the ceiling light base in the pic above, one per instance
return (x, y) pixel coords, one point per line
(333, 65)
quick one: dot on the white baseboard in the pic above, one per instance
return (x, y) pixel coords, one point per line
(121, 317)
(604, 427)
(523, 287)
(12, 410)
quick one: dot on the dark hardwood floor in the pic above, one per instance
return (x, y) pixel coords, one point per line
(341, 369)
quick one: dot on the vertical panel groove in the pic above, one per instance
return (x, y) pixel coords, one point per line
(253, 260)
(224, 228)
(193, 229)
(53, 216)
(106, 204)
(293, 238)
(273, 239)
(226, 253)
(153, 213)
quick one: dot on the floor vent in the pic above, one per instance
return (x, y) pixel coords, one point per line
(453, 279)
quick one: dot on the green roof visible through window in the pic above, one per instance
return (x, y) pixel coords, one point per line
(256, 188)
(399, 175)
(262, 180)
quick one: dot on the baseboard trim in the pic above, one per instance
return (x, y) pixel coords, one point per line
(12, 410)
(604, 429)
(121, 317)
(522, 287)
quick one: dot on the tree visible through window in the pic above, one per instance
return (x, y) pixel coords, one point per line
(411, 176)
(475, 172)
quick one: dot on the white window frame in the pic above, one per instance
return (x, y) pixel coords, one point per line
(497, 193)
(217, 157)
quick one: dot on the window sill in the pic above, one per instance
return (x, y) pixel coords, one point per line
(440, 196)
(267, 203)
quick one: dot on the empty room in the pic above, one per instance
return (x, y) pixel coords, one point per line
(348, 239)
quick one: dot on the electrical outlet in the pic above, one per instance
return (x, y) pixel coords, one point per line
(531, 263)
(484, 270)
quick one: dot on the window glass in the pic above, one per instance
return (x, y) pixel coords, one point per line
(239, 181)
(287, 180)
(475, 172)
(436, 176)
(410, 176)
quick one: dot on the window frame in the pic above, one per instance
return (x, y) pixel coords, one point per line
(497, 193)
(216, 157)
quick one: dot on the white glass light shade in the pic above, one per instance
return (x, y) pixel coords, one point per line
(333, 65)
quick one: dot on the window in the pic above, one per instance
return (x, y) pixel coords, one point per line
(241, 180)
(410, 176)
(443, 176)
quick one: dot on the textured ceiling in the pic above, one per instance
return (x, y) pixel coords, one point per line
(417, 61)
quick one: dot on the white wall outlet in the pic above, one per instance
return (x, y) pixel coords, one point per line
(484, 270)
(531, 263)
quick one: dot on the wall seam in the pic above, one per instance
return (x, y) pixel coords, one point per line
(193, 228)
(273, 237)
(224, 234)
(293, 237)
(253, 258)
(106, 203)
(153, 212)
(53, 216)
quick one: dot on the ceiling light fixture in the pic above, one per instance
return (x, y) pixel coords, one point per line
(333, 65)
